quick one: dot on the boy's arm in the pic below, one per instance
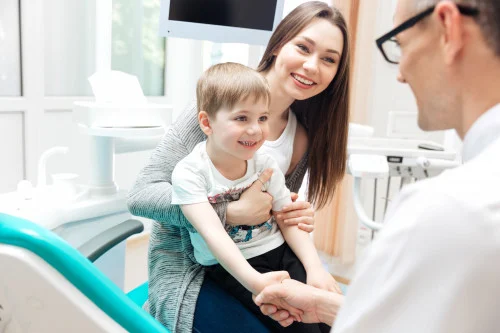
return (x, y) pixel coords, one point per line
(207, 223)
(298, 240)
(302, 245)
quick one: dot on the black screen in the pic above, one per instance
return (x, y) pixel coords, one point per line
(252, 14)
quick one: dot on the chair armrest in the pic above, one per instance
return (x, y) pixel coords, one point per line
(100, 244)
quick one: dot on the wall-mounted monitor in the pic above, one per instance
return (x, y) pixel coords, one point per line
(221, 21)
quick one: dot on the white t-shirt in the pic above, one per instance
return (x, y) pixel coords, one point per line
(436, 266)
(195, 180)
(282, 148)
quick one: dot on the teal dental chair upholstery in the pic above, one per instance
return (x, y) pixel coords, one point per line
(48, 286)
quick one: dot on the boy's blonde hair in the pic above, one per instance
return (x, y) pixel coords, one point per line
(224, 85)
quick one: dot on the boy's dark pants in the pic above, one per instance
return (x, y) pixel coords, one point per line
(280, 259)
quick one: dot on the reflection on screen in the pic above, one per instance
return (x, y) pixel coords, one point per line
(251, 14)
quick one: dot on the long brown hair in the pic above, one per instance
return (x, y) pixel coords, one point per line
(326, 115)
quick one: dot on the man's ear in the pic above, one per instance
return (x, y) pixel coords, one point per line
(452, 28)
(204, 122)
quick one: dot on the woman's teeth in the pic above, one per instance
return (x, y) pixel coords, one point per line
(302, 80)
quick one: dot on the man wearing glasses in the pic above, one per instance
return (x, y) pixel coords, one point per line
(436, 265)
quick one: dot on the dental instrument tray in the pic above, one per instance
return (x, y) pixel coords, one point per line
(398, 147)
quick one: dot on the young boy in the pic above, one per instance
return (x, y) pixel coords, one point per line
(233, 108)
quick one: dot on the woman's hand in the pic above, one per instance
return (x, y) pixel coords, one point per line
(254, 206)
(299, 213)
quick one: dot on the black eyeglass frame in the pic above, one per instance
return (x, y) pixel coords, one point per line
(468, 11)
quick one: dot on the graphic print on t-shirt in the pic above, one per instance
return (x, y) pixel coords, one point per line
(232, 194)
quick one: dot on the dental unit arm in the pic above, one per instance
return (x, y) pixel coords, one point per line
(371, 167)
(383, 158)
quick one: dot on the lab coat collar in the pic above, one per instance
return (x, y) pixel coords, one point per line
(482, 133)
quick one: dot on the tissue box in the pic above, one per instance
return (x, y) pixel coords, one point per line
(92, 114)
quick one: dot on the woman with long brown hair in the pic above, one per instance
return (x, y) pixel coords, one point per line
(306, 64)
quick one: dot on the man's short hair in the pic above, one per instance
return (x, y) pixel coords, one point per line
(224, 85)
(488, 18)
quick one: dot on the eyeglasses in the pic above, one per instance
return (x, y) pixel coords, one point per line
(388, 44)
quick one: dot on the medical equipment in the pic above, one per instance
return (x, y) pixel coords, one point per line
(387, 158)
(242, 21)
(119, 121)
(80, 211)
(48, 286)
(66, 201)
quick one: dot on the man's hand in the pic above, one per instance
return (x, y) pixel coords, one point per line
(290, 295)
(254, 206)
(299, 213)
(321, 279)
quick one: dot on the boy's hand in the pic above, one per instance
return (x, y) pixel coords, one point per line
(270, 278)
(321, 279)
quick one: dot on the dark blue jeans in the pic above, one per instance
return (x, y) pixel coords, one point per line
(224, 305)
(217, 312)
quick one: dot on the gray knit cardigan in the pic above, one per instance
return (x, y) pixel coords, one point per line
(175, 278)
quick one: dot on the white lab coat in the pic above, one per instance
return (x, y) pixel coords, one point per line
(436, 265)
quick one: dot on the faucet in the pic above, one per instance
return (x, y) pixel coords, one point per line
(42, 164)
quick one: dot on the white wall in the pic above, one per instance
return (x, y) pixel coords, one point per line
(36, 121)
(388, 94)
(57, 57)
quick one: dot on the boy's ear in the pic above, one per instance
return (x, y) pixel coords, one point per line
(204, 122)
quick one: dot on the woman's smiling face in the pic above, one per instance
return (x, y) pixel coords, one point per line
(306, 65)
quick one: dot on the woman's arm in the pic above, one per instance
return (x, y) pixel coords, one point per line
(299, 213)
(151, 195)
(254, 206)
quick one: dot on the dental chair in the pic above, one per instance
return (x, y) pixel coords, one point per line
(48, 286)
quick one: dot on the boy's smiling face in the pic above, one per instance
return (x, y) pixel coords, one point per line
(236, 134)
